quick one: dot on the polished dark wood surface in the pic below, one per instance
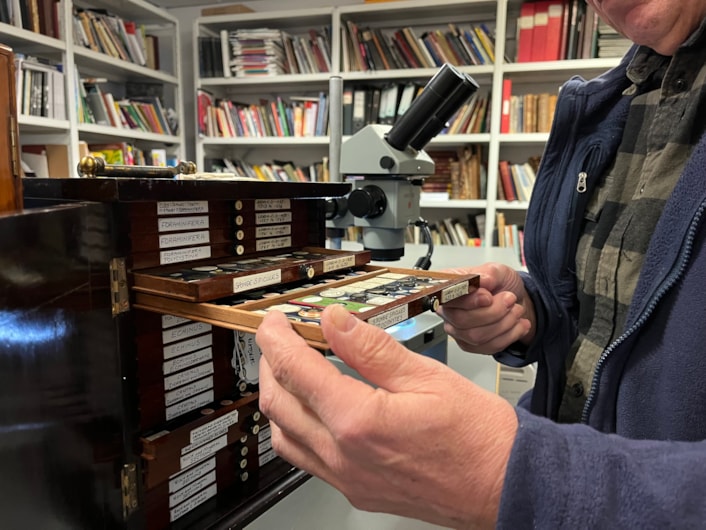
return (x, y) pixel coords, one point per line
(105, 189)
(62, 419)
(69, 408)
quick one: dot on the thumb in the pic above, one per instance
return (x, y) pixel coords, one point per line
(372, 352)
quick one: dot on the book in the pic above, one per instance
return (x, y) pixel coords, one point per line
(539, 35)
(525, 33)
(347, 111)
(204, 100)
(578, 8)
(487, 39)
(94, 98)
(226, 53)
(552, 47)
(506, 181)
(360, 97)
(505, 108)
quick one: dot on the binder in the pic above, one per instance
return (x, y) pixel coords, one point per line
(359, 109)
(525, 32)
(347, 104)
(539, 35)
(555, 11)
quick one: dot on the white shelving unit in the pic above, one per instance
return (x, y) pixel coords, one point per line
(73, 57)
(502, 14)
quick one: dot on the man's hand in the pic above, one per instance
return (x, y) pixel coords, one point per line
(497, 314)
(426, 443)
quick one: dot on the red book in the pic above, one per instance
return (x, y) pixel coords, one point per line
(505, 110)
(524, 37)
(409, 56)
(539, 35)
(506, 181)
(278, 124)
(555, 12)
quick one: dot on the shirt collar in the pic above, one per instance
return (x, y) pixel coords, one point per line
(647, 62)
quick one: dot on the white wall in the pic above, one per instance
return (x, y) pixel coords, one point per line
(187, 16)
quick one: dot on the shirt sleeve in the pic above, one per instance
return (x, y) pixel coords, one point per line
(572, 476)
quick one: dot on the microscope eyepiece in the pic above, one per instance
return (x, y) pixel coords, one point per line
(442, 96)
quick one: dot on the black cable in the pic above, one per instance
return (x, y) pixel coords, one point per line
(424, 262)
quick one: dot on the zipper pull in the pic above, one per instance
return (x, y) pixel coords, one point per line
(581, 184)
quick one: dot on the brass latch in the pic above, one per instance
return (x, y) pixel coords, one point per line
(128, 482)
(118, 286)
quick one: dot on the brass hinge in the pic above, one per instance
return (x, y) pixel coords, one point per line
(14, 148)
(118, 286)
(128, 482)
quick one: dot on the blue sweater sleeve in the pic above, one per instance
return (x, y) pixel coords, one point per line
(572, 476)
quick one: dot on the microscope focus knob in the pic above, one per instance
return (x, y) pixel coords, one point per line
(336, 208)
(367, 202)
(387, 162)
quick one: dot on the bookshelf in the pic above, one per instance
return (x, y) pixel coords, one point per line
(501, 17)
(55, 45)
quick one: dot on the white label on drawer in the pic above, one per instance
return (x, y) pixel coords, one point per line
(203, 451)
(187, 346)
(187, 391)
(265, 433)
(216, 434)
(184, 332)
(245, 283)
(188, 405)
(266, 457)
(339, 263)
(169, 321)
(187, 376)
(454, 291)
(264, 446)
(210, 430)
(169, 367)
(181, 479)
(184, 239)
(188, 491)
(272, 204)
(181, 207)
(193, 502)
(273, 218)
(167, 257)
(273, 231)
(271, 244)
(391, 317)
(171, 224)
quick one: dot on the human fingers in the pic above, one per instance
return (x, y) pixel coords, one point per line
(492, 276)
(300, 455)
(288, 412)
(493, 344)
(490, 329)
(478, 309)
(372, 352)
(477, 299)
(302, 371)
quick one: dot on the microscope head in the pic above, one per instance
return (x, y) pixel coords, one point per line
(387, 164)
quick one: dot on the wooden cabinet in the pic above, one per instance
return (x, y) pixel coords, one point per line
(127, 350)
